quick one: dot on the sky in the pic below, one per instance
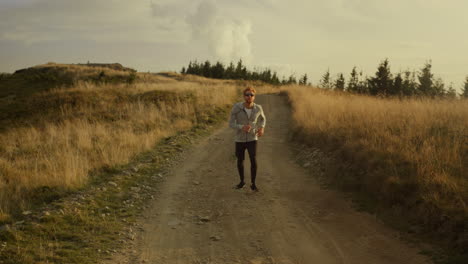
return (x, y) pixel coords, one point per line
(291, 37)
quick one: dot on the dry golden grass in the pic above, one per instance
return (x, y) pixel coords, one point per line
(88, 126)
(408, 153)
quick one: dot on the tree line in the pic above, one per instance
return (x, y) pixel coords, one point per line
(239, 71)
(385, 83)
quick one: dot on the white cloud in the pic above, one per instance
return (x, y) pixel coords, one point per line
(228, 38)
(231, 41)
(204, 19)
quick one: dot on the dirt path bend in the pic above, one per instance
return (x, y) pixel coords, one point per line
(200, 218)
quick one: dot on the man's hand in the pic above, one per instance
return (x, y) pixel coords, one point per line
(246, 128)
(260, 132)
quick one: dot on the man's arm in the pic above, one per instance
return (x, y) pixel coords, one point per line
(233, 119)
(262, 119)
(261, 123)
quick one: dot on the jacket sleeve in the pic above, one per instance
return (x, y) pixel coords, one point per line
(233, 119)
(262, 118)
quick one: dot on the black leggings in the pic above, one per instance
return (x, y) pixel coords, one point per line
(251, 147)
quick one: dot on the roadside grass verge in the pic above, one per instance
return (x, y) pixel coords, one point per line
(92, 223)
(405, 160)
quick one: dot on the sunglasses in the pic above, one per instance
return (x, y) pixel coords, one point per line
(249, 94)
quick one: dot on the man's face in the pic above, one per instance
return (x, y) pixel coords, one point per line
(249, 97)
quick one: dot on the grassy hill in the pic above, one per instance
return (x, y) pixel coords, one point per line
(44, 77)
(58, 122)
(27, 97)
(77, 140)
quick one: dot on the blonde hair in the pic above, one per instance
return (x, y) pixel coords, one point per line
(251, 89)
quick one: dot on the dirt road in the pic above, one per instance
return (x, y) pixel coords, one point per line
(199, 218)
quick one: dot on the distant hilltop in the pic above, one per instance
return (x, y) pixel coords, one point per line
(113, 66)
(46, 76)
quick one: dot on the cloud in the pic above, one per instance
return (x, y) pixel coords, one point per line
(201, 24)
(231, 41)
(227, 38)
(160, 10)
(15, 3)
(204, 19)
(94, 20)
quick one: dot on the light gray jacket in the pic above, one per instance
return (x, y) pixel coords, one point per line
(239, 118)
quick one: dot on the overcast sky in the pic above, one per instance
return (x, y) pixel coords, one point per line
(294, 36)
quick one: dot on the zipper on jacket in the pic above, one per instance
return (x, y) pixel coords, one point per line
(243, 108)
(246, 134)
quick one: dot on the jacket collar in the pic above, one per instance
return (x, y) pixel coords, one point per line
(254, 110)
(254, 106)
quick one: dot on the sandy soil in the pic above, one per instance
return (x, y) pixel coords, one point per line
(199, 218)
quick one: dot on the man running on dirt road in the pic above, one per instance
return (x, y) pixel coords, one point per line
(248, 119)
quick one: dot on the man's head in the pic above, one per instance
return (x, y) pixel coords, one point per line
(249, 94)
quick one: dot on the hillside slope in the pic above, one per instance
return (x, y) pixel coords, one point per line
(72, 119)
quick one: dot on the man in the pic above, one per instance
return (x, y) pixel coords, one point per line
(248, 119)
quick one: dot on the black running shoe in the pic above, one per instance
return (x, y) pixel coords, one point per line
(240, 185)
(254, 187)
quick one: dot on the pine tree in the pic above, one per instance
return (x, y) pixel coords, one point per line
(197, 69)
(265, 76)
(303, 80)
(438, 88)
(381, 84)
(274, 79)
(326, 81)
(451, 93)
(244, 73)
(239, 70)
(340, 82)
(189, 68)
(409, 85)
(194, 68)
(217, 71)
(206, 69)
(230, 71)
(292, 79)
(464, 93)
(353, 81)
(397, 87)
(284, 81)
(363, 85)
(183, 70)
(426, 80)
